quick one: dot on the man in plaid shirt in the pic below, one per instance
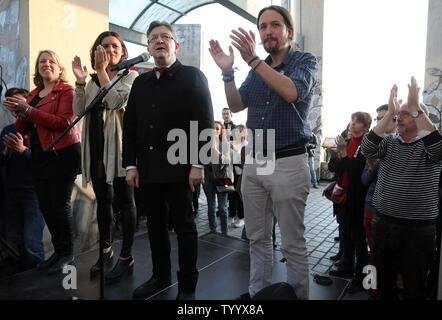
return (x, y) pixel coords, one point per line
(277, 93)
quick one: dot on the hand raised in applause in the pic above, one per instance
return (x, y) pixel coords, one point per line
(341, 146)
(80, 72)
(101, 59)
(223, 61)
(245, 43)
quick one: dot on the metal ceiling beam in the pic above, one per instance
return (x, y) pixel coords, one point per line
(130, 35)
(152, 2)
(191, 9)
(170, 8)
(247, 9)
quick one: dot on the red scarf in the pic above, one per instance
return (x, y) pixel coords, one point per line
(352, 146)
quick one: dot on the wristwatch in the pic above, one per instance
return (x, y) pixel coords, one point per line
(416, 113)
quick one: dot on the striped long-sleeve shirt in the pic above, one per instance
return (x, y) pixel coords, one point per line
(408, 177)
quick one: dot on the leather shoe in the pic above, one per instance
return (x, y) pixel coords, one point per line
(122, 268)
(185, 295)
(336, 257)
(339, 263)
(108, 258)
(151, 287)
(49, 262)
(62, 262)
(340, 272)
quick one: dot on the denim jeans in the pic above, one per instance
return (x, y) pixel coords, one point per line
(26, 226)
(313, 179)
(408, 249)
(210, 191)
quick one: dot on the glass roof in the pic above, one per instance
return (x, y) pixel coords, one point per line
(140, 13)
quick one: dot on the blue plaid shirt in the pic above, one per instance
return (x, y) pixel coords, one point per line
(268, 110)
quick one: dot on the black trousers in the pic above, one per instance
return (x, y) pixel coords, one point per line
(124, 196)
(174, 199)
(407, 249)
(355, 243)
(54, 197)
(196, 196)
(236, 207)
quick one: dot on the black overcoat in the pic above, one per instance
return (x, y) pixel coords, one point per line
(157, 106)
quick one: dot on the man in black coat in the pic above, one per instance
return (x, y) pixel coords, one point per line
(170, 101)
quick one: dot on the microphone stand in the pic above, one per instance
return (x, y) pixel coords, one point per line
(103, 92)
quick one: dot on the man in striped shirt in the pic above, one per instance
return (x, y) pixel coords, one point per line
(406, 194)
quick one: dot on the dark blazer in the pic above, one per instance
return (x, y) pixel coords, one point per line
(155, 107)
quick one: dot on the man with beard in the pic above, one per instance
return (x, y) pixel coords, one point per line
(169, 98)
(277, 93)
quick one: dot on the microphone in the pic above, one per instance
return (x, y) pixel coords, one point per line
(129, 63)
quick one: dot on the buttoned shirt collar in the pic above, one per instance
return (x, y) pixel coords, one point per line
(157, 73)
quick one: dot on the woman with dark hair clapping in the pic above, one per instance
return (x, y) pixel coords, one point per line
(102, 147)
(349, 167)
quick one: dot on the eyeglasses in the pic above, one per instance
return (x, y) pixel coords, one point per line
(164, 37)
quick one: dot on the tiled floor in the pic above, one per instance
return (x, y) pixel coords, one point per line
(321, 228)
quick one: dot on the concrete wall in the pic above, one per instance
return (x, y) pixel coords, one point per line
(432, 94)
(189, 37)
(14, 49)
(69, 28)
(433, 78)
(309, 16)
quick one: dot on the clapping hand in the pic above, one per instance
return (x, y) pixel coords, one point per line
(80, 72)
(245, 43)
(413, 95)
(101, 58)
(341, 146)
(393, 104)
(14, 143)
(225, 62)
(16, 105)
(394, 107)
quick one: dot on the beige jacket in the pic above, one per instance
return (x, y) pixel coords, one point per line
(116, 101)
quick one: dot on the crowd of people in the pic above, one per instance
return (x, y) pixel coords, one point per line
(125, 147)
(391, 177)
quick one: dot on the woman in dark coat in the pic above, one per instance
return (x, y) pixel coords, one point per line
(349, 167)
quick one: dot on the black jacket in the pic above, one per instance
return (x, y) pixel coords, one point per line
(356, 191)
(157, 106)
